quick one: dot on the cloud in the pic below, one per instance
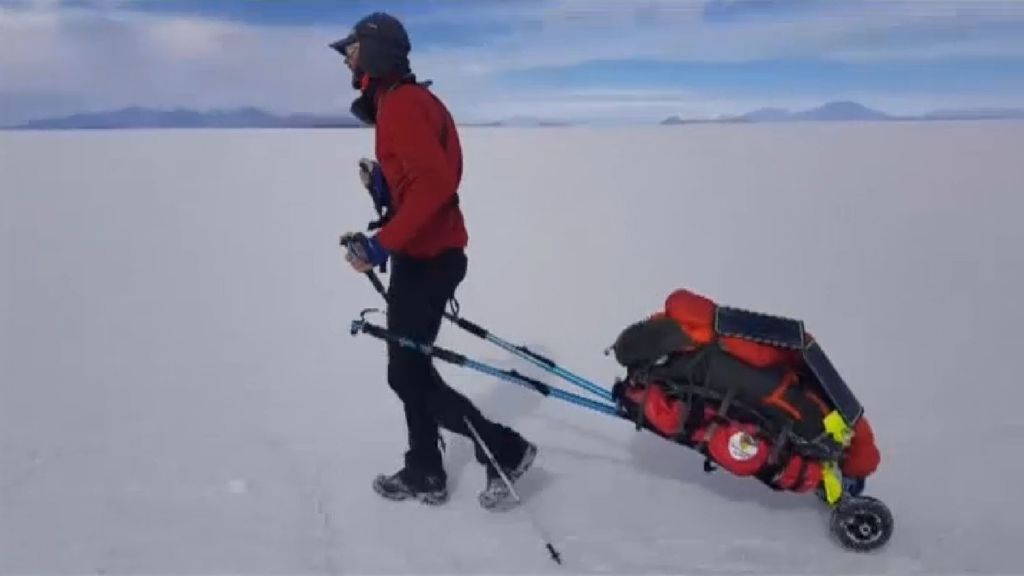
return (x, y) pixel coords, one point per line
(577, 31)
(119, 58)
(109, 53)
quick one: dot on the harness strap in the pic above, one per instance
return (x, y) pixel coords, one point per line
(695, 402)
(641, 414)
(780, 442)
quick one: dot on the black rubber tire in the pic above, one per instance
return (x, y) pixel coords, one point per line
(862, 523)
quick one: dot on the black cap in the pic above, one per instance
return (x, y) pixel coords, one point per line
(383, 44)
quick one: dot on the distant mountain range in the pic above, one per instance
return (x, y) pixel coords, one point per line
(137, 117)
(846, 111)
(250, 117)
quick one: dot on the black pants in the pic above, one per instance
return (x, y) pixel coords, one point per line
(418, 293)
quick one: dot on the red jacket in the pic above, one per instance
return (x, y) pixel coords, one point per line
(420, 155)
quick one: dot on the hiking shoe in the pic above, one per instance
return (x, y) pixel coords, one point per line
(405, 484)
(496, 495)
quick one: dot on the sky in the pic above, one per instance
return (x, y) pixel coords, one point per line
(577, 60)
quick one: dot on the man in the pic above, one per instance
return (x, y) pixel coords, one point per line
(416, 177)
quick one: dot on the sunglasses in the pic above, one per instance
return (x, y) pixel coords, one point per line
(351, 53)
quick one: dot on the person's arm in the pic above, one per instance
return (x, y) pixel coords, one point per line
(430, 184)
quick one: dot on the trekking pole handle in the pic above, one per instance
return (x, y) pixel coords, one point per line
(374, 279)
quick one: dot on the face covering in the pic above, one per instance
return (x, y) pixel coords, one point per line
(365, 106)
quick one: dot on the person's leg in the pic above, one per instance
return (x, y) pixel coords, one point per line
(513, 453)
(419, 292)
(410, 375)
(452, 410)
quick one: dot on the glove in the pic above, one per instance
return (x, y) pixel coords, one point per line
(374, 182)
(364, 253)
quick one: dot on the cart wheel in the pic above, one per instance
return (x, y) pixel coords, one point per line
(862, 523)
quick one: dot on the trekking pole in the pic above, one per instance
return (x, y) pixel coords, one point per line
(457, 359)
(536, 359)
(555, 554)
(377, 284)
